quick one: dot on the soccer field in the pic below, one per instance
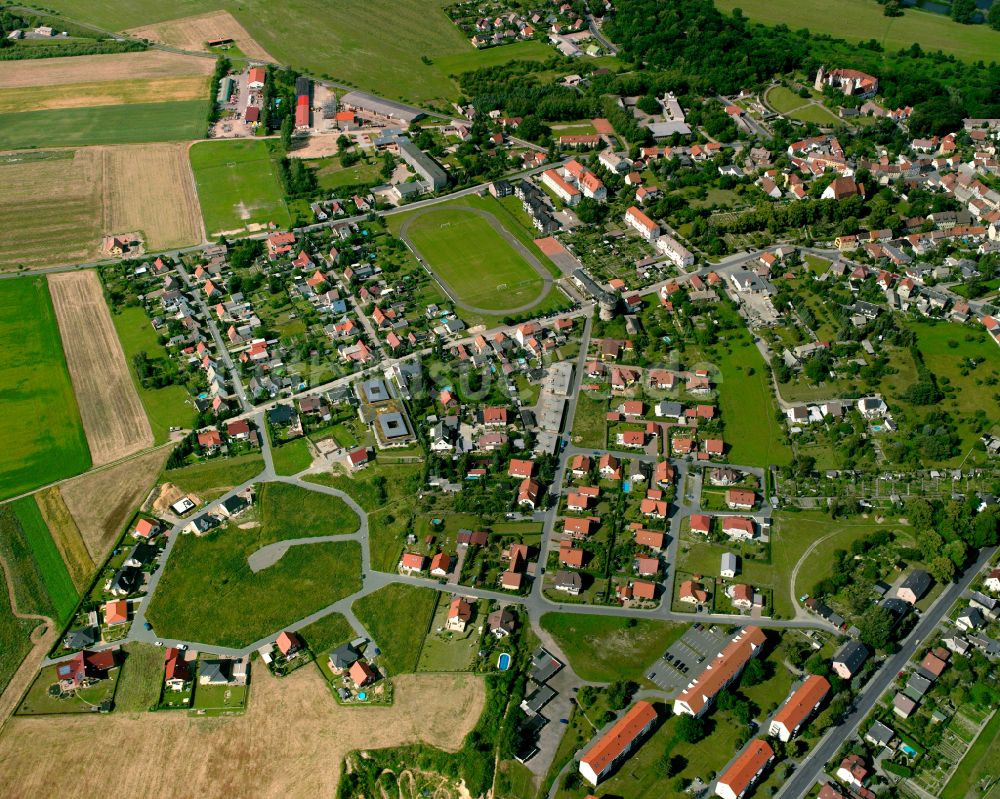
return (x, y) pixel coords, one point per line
(474, 260)
(106, 124)
(238, 185)
(43, 437)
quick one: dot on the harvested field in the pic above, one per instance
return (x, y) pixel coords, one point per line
(113, 417)
(102, 502)
(66, 536)
(153, 192)
(116, 67)
(290, 742)
(57, 204)
(193, 33)
(49, 207)
(117, 92)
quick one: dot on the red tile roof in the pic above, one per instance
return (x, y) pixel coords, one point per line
(800, 704)
(741, 774)
(620, 737)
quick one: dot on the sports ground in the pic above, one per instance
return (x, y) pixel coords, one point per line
(237, 185)
(480, 263)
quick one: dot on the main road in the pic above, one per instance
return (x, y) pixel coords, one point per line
(812, 767)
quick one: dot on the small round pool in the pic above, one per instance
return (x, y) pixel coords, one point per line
(362, 696)
(504, 662)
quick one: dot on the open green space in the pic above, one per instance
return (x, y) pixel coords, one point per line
(289, 511)
(493, 57)
(398, 618)
(209, 594)
(331, 175)
(43, 439)
(141, 679)
(783, 99)
(747, 404)
(58, 583)
(215, 477)
(589, 422)
(223, 699)
(15, 640)
(474, 260)
(377, 46)
(292, 457)
(981, 761)
(238, 184)
(931, 31)
(105, 124)
(166, 407)
(446, 650)
(794, 533)
(327, 633)
(604, 649)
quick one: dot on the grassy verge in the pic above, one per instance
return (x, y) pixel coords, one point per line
(141, 680)
(327, 633)
(214, 478)
(604, 649)
(398, 617)
(293, 457)
(66, 536)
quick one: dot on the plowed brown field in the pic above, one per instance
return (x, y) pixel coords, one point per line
(192, 33)
(290, 742)
(113, 417)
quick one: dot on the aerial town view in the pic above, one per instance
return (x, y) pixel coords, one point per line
(500, 399)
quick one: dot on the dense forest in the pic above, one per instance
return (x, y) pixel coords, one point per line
(692, 43)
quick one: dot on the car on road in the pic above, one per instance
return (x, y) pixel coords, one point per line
(564, 721)
(159, 643)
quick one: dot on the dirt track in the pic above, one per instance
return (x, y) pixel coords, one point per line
(191, 33)
(92, 68)
(290, 742)
(113, 417)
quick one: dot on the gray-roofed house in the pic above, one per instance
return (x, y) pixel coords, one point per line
(421, 163)
(849, 660)
(970, 619)
(501, 623)
(917, 686)
(728, 566)
(214, 672)
(343, 657)
(903, 706)
(987, 604)
(879, 734)
(543, 666)
(537, 699)
(81, 638)
(915, 585)
(570, 582)
(126, 581)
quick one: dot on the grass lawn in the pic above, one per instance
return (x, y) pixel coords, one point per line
(66, 536)
(238, 184)
(166, 407)
(474, 260)
(704, 558)
(384, 491)
(747, 405)
(289, 511)
(215, 477)
(142, 678)
(293, 457)
(816, 113)
(58, 583)
(794, 533)
(332, 176)
(444, 650)
(589, 422)
(494, 57)
(946, 349)
(232, 698)
(783, 99)
(398, 617)
(106, 124)
(38, 701)
(347, 41)
(327, 633)
(932, 31)
(24, 570)
(979, 762)
(604, 649)
(44, 440)
(208, 593)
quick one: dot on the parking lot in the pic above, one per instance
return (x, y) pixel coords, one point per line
(686, 657)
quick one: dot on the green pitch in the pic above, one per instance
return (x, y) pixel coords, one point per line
(238, 185)
(474, 260)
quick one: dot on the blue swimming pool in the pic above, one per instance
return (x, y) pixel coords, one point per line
(362, 696)
(504, 662)
(626, 487)
(908, 749)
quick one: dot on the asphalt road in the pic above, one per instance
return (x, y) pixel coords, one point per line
(812, 767)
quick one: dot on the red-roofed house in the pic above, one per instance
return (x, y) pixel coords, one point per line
(698, 697)
(799, 706)
(650, 538)
(288, 643)
(521, 468)
(740, 499)
(177, 671)
(115, 612)
(701, 523)
(362, 674)
(529, 492)
(412, 562)
(145, 529)
(612, 747)
(440, 564)
(745, 770)
(738, 528)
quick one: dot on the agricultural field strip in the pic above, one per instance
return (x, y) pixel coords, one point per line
(118, 92)
(58, 72)
(193, 33)
(113, 416)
